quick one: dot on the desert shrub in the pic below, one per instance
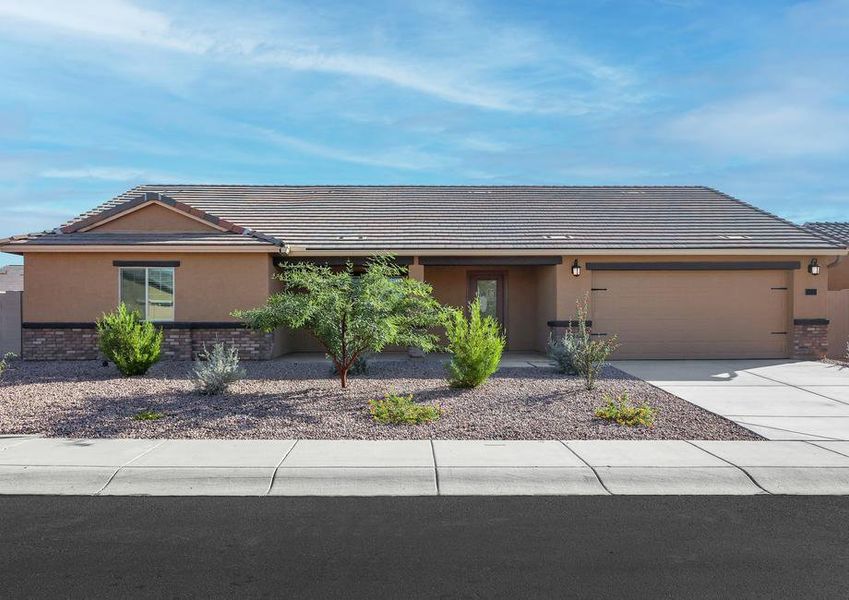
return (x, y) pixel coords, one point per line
(621, 411)
(148, 415)
(579, 353)
(218, 368)
(128, 341)
(401, 410)
(475, 344)
(4, 362)
(561, 351)
(359, 367)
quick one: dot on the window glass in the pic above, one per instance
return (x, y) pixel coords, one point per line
(133, 289)
(160, 294)
(487, 291)
(149, 291)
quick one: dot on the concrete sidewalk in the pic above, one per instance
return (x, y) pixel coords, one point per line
(32, 465)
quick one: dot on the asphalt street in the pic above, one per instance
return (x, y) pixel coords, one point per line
(427, 547)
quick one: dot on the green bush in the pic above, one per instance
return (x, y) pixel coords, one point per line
(579, 353)
(148, 415)
(475, 344)
(128, 341)
(218, 369)
(621, 411)
(401, 410)
(5, 360)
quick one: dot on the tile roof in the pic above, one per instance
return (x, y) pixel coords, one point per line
(146, 239)
(839, 232)
(361, 218)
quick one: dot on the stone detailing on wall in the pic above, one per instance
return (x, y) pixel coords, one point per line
(810, 338)
(59, 343)
(252, 345)
(181, 341)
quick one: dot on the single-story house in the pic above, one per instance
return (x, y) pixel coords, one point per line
(673, 271)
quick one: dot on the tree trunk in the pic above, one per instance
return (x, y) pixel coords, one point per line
(343, 376)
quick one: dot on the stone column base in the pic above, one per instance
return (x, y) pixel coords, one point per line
(810, 338)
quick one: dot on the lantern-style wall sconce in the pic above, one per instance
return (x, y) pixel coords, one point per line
(813, 267)
(576, 268)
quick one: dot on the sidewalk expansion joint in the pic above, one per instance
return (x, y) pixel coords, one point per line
(591, 468)
(744, 471)
(274, 472)
(798, 387)
(435, 469)
(111, 477)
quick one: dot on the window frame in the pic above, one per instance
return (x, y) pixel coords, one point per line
(146, 269)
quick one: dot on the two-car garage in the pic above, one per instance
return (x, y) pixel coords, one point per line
(704, 310)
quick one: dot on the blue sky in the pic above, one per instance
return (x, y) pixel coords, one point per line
(99, 95)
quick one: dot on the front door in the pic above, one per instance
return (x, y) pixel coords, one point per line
(489, 287)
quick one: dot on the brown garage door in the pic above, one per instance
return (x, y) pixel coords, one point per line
(693, 314)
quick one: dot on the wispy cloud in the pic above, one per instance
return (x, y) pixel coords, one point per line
(473, 80)
(765, 125)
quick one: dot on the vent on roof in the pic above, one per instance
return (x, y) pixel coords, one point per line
(734, 237)
(351, 237)
(559, 237)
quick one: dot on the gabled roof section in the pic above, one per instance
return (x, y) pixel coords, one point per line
(114, 209)
(836, 231)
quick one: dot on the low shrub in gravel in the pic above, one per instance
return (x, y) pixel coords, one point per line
(583, 354)
(128, 341)
(561, 351)
(621, 411)
(401, 410)
(219, 368)
(4, 362)
(475, 343)
(148, 415)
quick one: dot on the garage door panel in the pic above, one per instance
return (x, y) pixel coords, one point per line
(693, 314)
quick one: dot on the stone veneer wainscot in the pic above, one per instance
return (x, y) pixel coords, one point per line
(182, 341)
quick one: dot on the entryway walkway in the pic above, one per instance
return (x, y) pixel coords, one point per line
(778, 399)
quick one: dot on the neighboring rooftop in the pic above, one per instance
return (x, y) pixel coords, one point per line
(351, 218)
(839, 232)
(12, 278)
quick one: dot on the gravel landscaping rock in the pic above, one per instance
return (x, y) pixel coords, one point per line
(301, 400)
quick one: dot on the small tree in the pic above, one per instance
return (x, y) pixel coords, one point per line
(475, 343)
(351, 313)
(128, 341)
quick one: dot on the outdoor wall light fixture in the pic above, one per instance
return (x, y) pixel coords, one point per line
(813, 267)
(576, 268)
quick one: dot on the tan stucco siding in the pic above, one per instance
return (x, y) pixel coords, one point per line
(153, 218)
(450, 286)
(838, 274)
(80, 287)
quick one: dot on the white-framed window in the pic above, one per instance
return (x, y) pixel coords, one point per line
(148, 290)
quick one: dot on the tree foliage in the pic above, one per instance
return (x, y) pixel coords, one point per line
(351, 313)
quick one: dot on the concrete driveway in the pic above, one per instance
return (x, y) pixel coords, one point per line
(778, 399)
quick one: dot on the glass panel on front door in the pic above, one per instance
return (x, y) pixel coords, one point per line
(487, 291)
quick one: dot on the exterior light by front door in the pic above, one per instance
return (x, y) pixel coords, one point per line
(813, 267)
(576, 268)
